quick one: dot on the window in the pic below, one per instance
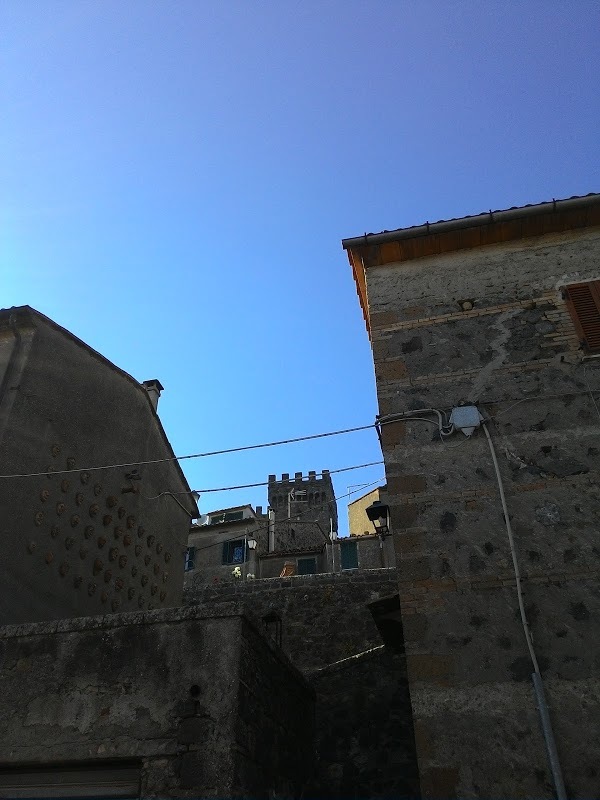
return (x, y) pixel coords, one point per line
(307, 566)
(583, 302)
(300, 496)
(190, 559)
(349, 554)
(233, 552)
(226, 516)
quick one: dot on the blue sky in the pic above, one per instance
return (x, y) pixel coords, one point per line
(176, 178)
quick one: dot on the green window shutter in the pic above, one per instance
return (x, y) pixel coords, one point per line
(349, 555)
(307, 566)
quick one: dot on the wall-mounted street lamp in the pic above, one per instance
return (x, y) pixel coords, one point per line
(379, 515)
(252, 544)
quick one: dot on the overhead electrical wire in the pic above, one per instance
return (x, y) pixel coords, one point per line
(387, 420)
(287, 519)
(194, 455)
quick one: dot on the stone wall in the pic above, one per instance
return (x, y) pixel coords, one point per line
(198, 703)
(489, 326)
(365, 744)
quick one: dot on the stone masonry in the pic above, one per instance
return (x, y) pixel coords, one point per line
(364, 734)
(472, 311)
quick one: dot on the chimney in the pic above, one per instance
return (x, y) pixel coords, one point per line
(154, 388)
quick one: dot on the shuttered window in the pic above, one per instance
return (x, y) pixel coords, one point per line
(583, 302)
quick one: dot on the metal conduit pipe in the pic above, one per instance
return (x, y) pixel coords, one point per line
(536, 677)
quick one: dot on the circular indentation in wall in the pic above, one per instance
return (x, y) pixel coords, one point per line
(70, 463)
(69, 542)
(150, 606)
(39, 518)
(118, 532)
(156, 569)
(107, 576)
(146, 560)
(113, 553)
(165, 577)
(195, 690)
(167, 557)
(153, 589)
(54, 531)
(98, 566)
(131, 593)
(119, 584)
(88, 532)
(31, 546)
(44, 495)
(64, 485)
(111, 501)
(91, 588)
(94, 510)
(159, 548)
(83, 553)
(127, 540)
(55, 450)
(97, 489)
(101, 541)
(77, 581)
(115, 604)
(131, 522)
(85, 478)
(144, 580)
(79, 498)
(49, 558)
(134, 571)
(121, 512)
(106, 520)
(163, 594)
(141, 601)
(138, 549)
(75, 520)
(104, 596)
(122, 561)
(150, 540)
(60, 509)
(64, 568)
(141, 531)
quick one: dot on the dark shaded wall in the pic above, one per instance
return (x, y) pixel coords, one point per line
(82, 543)
(112, 689)
(512, 351)
(365, 743)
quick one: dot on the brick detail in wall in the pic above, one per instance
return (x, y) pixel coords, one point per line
(422, 322)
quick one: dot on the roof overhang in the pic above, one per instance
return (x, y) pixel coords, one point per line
(445, 236)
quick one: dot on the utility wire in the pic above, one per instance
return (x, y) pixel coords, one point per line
(196, 455)
(287, 519)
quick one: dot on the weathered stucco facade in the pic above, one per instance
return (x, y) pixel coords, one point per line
(194, 703)
(82, 542)
(472, 311)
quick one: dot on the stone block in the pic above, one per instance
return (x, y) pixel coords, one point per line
(439, 783)
(428, 668)
(392, 370)
(407, 484)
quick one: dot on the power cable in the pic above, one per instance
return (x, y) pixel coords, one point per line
(389, 419)
(291, 519)
(194, 455)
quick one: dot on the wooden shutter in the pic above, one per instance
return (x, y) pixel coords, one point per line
(583, 302)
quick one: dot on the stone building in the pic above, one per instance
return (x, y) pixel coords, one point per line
(171, 702)
(297, 536)
(80, 537)
(485, 333)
